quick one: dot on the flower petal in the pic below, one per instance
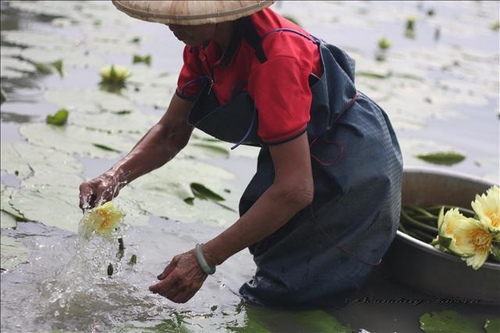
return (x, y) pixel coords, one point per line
(487, 208)
(477, 260)
(464, 236)
(102, 221)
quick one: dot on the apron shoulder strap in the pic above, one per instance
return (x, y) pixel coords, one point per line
(250, 34)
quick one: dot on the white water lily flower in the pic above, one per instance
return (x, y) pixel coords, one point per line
(465, 237)
(114, 74)
(102, 220)
(487, 208)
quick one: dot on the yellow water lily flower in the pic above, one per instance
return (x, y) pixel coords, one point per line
(102, 221)
(465, 237)
(114, 74)
(487, 208)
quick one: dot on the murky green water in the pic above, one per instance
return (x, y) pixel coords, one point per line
(439, 87)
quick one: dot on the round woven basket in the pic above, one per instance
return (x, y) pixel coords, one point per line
(189, 12)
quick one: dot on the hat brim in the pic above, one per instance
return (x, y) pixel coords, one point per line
(189, 12)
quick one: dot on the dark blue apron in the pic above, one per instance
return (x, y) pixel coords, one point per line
(324, 254)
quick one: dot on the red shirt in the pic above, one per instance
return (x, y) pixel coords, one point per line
(279, 86)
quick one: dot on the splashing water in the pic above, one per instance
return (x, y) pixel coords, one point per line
(65, 286)
(93, 284)
(80, 295)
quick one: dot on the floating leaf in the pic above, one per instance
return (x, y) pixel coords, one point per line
(449, 321)
(138, 59)
(12, 252)
(90, 101)
(133, 260)
(410, 27)
(7, 221)
(212, 148)
(374, 75)
(58, 65)
(203, 193)
(495, 26)
(15, 68)
(3, 96)
(320, 321)
(43, 68)
(104, 147)
(410, 23)
(110, 269)
(135, 40)
(449, 158)
(384, 43)
(255, 321)
(59, 118)
(166, 192)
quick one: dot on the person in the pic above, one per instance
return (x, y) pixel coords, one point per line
(324, 204)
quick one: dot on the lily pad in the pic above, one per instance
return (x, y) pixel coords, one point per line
(206, 149)
(10, 51)
(47, 8)
(7, 221)
(71, 58)
(16, 68)
(24, 160)
(142, 59)
(87, 100)
(203, 193)
(41, 39)
(320, 321)
(49, 199)
(48, 192)
(10, 216)
(3, 96)
(162, 193)
(73, 139)
(449, 158)
(449, 321)
(12, 252)
(133, 122)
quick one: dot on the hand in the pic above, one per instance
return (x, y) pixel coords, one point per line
(181, 279)
(99, 190)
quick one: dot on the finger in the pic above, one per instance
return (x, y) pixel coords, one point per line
(156, 288)
(183, 296)
(172, 291)
(169, 269)
(87, 198)
(164, 287)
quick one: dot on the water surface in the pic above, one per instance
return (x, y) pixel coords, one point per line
(440, 88)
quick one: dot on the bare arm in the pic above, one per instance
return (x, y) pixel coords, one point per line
(158, 146)
(292, 190)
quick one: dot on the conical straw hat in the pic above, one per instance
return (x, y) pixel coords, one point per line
(189, 12)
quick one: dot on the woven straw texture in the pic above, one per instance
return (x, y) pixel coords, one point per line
(189, 12)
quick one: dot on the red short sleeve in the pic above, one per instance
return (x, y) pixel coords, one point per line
(188, 83)
(280, 85)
